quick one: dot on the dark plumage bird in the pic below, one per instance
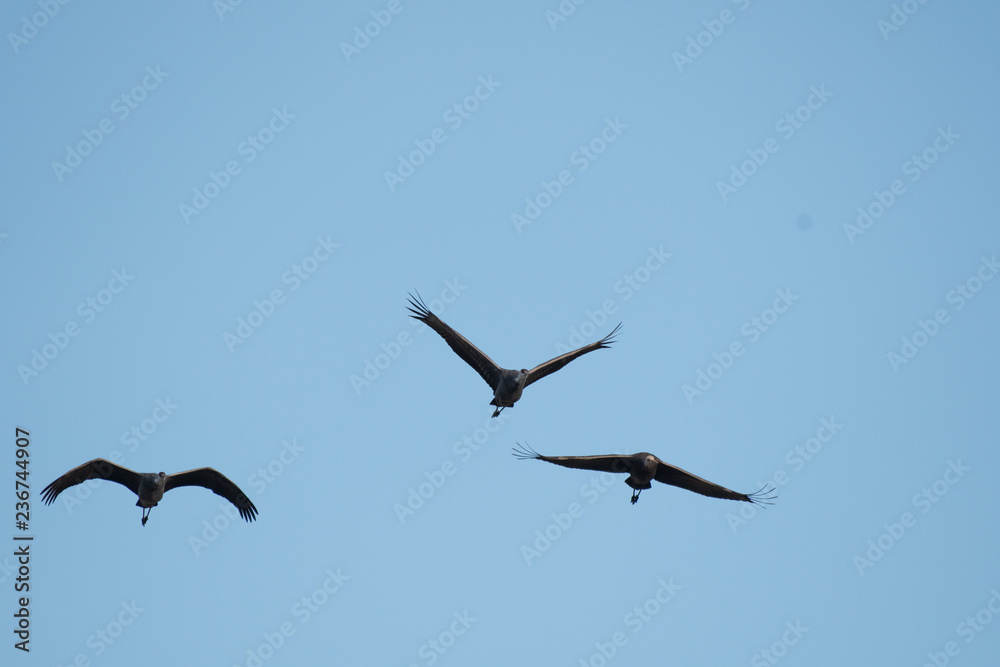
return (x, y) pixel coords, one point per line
(506, 384)
(151, 486)
(643, 468)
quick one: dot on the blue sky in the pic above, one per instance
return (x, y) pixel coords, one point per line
(214, 213)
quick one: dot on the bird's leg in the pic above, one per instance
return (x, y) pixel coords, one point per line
(145, 515)
(496, 413)
(635, 495)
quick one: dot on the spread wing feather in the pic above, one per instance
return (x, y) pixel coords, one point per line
(674, 476)
(215, 481)
(604, 463)
(552, 365)
(96, 469)
(471, 354)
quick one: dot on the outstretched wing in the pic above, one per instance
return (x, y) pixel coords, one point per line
(212, 479)
(471, 354)
(605, 463)
(674, 476)
(552, 365)
(96, 469)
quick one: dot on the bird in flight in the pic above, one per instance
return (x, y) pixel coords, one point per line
(506, 384)
(151, 486)
(642, 468)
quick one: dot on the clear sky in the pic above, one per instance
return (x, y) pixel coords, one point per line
(213, 213)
